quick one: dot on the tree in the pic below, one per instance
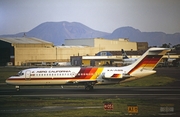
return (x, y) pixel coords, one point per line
(177, 47)
(166, 45)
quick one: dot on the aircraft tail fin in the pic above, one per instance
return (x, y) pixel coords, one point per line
(124, 55)
(148, 61)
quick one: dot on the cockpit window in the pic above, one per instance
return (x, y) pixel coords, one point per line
(20, 73)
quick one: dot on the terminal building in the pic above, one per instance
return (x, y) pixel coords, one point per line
(32, 51)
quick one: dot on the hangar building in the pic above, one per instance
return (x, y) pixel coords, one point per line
(31, 51)
(105, 44)
(17, 50)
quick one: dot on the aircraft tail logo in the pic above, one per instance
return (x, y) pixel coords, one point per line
(148, 60)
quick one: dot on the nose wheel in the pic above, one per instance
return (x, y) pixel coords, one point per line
(17, 88)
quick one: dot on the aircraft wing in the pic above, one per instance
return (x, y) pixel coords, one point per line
(81, 81)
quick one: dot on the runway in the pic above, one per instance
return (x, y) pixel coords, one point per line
(122, 92)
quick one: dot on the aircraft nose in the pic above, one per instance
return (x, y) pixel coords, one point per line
(7, 81)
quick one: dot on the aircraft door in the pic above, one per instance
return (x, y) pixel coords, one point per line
(27, 75)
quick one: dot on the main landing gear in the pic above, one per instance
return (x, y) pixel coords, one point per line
(89, 86)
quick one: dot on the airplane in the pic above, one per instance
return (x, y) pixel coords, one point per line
(167, 62)
(62, 64)
(170, 60)
(88, 76)
(126, 60)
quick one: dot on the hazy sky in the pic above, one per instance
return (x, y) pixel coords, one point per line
(103, 15)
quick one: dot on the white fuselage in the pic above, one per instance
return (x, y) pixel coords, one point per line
(67, 75)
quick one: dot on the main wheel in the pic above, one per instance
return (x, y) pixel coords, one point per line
(89, 87)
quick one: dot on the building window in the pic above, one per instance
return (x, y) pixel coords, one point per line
(103, 54)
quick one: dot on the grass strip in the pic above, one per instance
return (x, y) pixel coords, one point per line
(25, 106)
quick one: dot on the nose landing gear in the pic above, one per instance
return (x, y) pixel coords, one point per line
(17, 88)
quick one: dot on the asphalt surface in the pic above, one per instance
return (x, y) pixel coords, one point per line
(125, 92)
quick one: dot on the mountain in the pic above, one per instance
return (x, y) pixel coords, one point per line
(57, 32)
(153, 38)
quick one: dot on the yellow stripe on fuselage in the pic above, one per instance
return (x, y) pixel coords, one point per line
(97, 73)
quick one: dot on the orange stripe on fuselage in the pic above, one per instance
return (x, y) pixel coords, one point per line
(92, 72)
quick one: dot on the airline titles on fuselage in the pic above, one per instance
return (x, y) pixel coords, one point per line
(57, 71)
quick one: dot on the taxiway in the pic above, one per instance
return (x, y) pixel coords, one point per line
(122, 92)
